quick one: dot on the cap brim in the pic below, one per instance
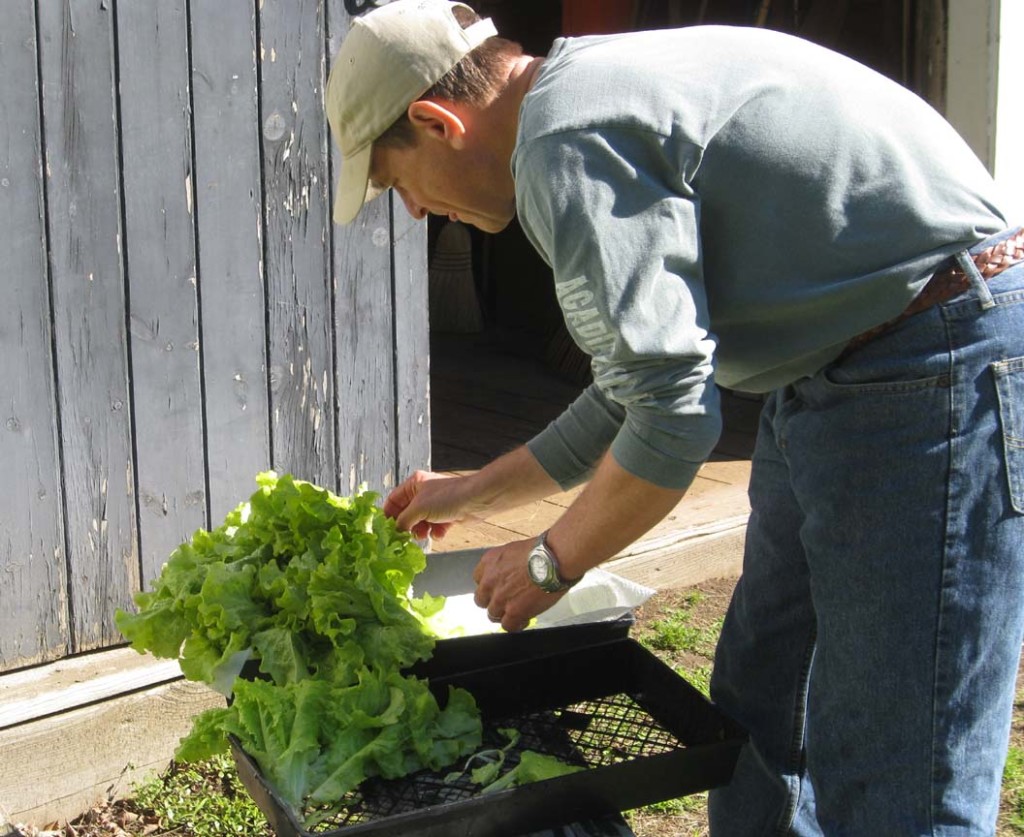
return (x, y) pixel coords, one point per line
(353, 183)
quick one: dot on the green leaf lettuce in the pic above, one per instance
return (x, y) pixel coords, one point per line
(318, 589)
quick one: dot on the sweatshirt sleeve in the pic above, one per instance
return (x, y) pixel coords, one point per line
(570, 446)
(617, 221)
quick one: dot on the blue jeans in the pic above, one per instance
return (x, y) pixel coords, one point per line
(872, 644)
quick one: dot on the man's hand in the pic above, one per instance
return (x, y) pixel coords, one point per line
(426, 504)
(504, 588)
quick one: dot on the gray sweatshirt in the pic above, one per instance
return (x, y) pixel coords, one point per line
(730, 205)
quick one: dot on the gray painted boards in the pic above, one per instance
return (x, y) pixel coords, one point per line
(178, 312)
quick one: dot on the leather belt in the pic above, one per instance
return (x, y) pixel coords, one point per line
(950, 282)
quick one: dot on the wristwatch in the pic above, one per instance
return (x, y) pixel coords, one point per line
(542, 566)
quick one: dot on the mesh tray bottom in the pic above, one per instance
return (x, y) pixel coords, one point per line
(593, 733)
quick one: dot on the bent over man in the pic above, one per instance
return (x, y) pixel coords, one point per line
(740, 207)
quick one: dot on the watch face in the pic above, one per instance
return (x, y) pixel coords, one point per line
(538, 566)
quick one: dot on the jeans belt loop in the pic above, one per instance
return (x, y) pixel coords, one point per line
(952, 280)
(970, 270)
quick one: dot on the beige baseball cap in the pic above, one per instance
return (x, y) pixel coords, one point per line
(390, 57)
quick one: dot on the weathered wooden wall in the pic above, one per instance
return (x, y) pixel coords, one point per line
(177, 311)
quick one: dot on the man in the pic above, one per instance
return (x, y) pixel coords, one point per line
(740, 207)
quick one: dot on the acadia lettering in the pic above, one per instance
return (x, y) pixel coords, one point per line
(590, 329)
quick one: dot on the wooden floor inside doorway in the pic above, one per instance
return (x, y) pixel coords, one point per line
(488, 395)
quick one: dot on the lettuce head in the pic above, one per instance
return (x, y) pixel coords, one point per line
(317, 589)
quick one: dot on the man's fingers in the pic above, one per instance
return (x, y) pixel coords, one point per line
(478, 572)
(391, 507)
(410, 518)
(402, 496)
(513, 625)
(398, 500)
(502, 587)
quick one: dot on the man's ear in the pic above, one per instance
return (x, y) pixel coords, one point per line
(438, 120)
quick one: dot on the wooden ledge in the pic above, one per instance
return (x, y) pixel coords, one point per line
(51, 689)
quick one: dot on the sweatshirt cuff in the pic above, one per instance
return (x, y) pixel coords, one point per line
(665, 459)
(570, 447)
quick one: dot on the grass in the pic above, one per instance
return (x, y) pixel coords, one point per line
(187, 800)
(684, 639)
(1013, 791)
(683, 631)
(202, 799)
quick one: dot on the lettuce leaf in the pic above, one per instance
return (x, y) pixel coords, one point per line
(532, 767)
(318, 589)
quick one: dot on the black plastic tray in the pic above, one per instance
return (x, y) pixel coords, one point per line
(466, 653)
(643, 733)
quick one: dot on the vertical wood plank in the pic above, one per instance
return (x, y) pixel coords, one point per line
(365, 333)
(364, 327)
(412, 341)
(228, 195)
(160, 247)
(295, 204)
(80, 127)
(33, 581)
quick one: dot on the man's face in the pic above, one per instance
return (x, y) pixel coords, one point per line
(432, 177)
